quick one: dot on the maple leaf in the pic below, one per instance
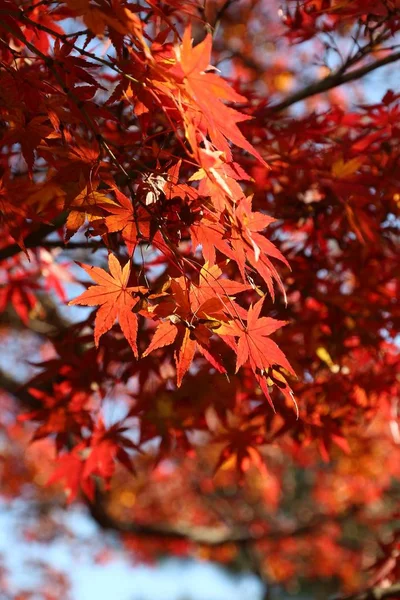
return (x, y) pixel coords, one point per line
(18, 292)
(240, 450)
(254, 344)
(131, 222)
(343, 170)
(85, 206)
(204, 91)
(64, 410)
(115, 298)
(248, 244)
(218, 179)
(155, 120)
(97, 17)
(29, 134)
(214, 293)
(185, 356)
(172, 188)
(105, 448)
(45, 196)
(210, 92)
(245, 245)
(164, 335)
(69, 469)
(188, 306)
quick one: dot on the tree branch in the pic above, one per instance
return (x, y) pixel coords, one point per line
(72, 245)
(332, 81)
(33, 239)
(15, 388)
(375, 593)
(208, 536)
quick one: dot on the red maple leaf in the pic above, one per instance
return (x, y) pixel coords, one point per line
(115, 299)
(202, 95)
(189, 305)
(209, 92)
(130, 221)
(106, 446)
(69, 470)
(164, 335)
(255, 346)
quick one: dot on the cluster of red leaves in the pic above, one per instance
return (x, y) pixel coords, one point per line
(139, 155)
(307, 17)
(166, 84)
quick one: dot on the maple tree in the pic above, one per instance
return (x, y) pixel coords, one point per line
(215, 176)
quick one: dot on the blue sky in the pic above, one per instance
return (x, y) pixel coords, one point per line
(119, 579)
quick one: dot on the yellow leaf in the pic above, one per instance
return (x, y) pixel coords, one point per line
(200, 174)
(45, 194)
(342, 170)
(324, 355)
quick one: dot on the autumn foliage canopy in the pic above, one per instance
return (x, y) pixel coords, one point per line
(199, 268)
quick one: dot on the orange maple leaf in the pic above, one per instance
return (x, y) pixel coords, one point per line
(201, 96)
(209, 92)
(255, 347)
(85, 206)
(115, 299)
(131, 222)
(164, 335)
(254, 344)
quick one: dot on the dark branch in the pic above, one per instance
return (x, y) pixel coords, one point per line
(72, 245)
(375, 593)
(332, 81)
(13, 387)
(33, 239)
(207, 536)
